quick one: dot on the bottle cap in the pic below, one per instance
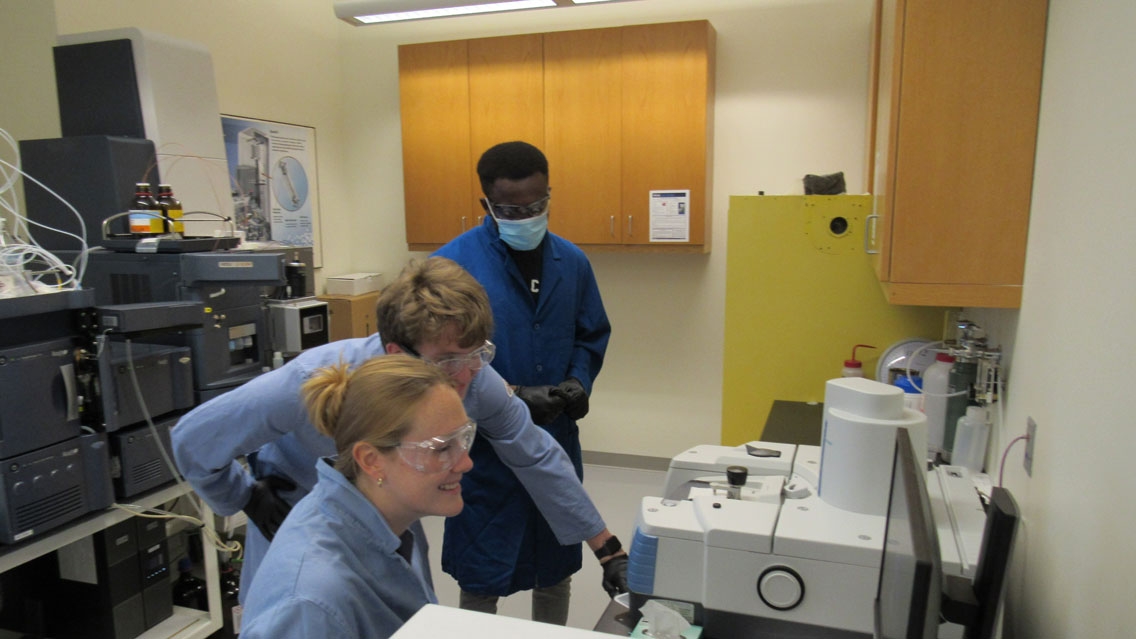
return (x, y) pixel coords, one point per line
(855, 363)
(976, 412)
(908, 384)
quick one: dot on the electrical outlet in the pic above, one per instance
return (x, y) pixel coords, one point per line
(1031, 437)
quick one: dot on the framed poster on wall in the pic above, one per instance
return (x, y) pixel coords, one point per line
(272, 170)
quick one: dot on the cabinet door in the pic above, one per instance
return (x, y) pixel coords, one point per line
(963, 123)
(434, 99)
(619, 112)
(583, 117)
(506, 100)
(882, 163)
(667, 115)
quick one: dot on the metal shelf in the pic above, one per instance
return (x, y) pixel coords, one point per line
(185, 623)
(12, 556)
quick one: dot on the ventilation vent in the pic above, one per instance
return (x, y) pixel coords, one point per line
(59, 507)
(130, 288)
(151, 473)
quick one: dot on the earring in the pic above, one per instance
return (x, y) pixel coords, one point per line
(379, 481)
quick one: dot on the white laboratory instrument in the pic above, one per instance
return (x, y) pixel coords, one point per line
(789, 544)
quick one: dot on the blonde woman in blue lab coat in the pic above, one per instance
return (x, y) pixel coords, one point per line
(351, 560)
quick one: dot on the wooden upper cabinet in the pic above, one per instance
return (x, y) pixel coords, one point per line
(959, 86)
(583, 118)
(436, 167)
(668, 106)
(619, 112)
(506, 99)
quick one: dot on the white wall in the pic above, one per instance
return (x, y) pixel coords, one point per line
(1074, 344)
(271, 60)
(24, 66)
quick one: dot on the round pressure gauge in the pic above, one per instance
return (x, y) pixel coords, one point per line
(903, 354)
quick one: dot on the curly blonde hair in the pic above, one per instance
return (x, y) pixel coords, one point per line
(432, 299)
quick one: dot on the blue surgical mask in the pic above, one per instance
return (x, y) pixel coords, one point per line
(523, 235)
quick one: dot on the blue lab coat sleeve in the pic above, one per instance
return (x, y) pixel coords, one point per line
(539, 463)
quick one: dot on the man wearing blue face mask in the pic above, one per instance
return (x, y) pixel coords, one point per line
(551, 332)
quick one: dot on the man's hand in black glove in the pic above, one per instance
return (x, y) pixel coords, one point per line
(544, 402)
(575, 398)
(613, 560)
(615, 575)
(265, 508)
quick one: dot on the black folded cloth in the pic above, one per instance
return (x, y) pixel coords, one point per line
(832, 184)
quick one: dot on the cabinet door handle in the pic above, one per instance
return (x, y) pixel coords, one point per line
(629, 233)
(870, 224)
(463, 224)
(611, 226)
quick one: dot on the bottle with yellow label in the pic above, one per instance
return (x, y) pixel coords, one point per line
(171, 208)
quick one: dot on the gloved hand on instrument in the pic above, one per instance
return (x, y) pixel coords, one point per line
(575, 398)
(613, 560)
(265, 508)
(544, 402)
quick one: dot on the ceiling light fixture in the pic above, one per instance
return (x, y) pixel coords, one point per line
(364, 12)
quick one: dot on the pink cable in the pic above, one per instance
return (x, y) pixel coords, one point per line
(1002, 468)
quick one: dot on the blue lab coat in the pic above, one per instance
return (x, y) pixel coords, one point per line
(500, 543)
(334, 571)
(266, 415)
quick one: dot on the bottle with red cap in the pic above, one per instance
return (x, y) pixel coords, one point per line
(854, 367)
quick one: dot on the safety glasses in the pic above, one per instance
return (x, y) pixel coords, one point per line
(456, 364)
(438, 454)
(514, 212)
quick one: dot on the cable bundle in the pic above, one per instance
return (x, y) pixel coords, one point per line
(26, 268)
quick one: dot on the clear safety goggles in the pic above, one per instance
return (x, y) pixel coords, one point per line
(514, 212)
(438, 454)
(456, 364)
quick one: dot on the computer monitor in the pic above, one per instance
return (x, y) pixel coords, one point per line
(910, 584)
(913, 596)
(975, 605)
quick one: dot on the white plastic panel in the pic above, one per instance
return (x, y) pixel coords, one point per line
(811, 529)
(737, 524)
(835, 595)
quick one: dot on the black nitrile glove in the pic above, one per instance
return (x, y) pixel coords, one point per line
(544, 403)
(575, 398)
(615, 575)
(265, 508)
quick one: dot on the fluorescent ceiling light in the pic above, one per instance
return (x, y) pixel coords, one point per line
(374, 12)
(362, 12)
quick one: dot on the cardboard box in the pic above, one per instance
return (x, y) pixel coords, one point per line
(354, 283)
(351, 315)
